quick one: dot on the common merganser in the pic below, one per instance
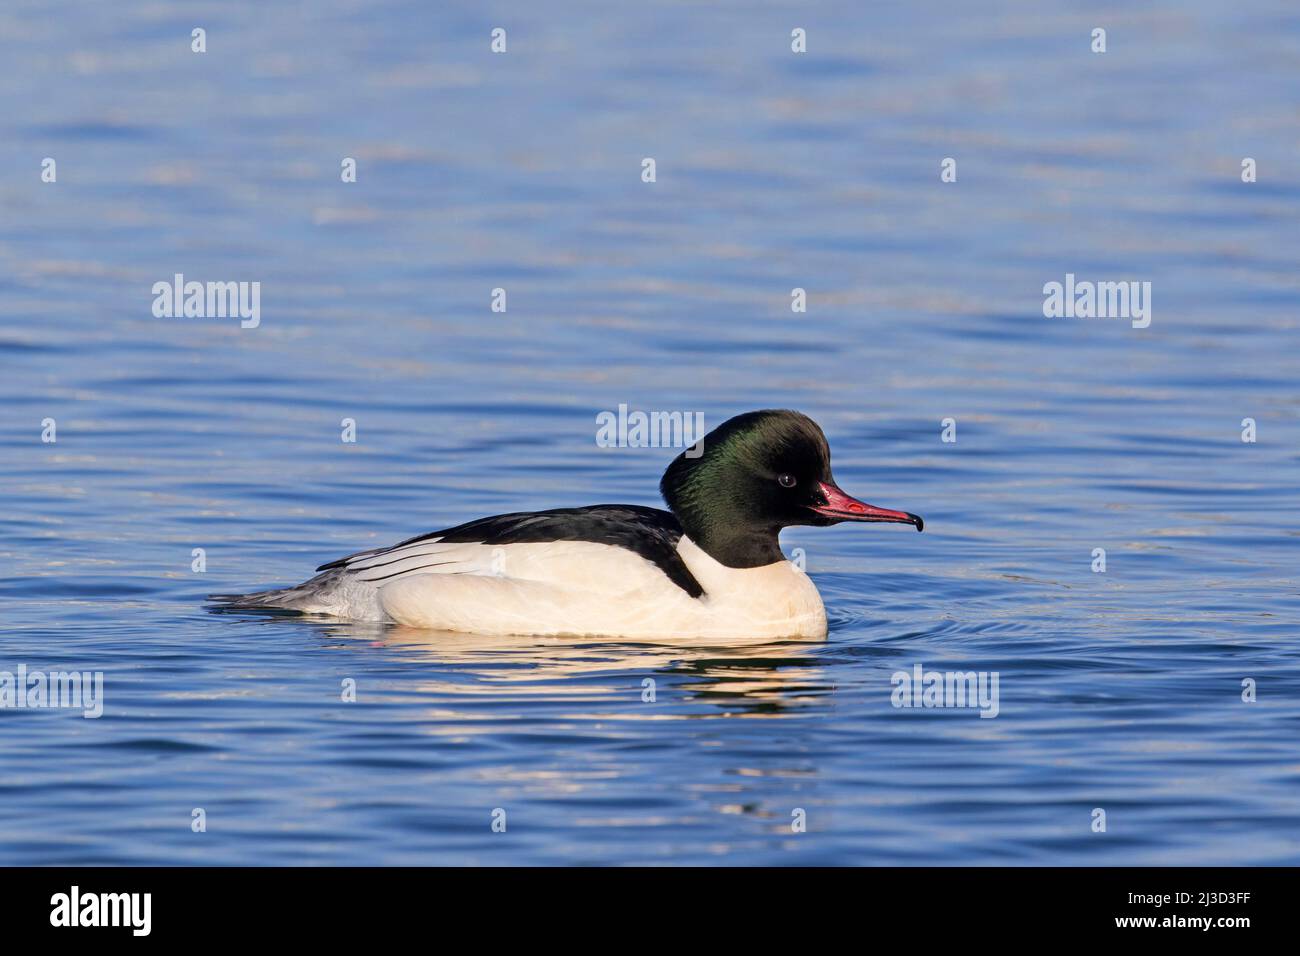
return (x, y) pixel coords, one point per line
(711, 567)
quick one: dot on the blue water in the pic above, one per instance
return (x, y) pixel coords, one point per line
(1119, 691)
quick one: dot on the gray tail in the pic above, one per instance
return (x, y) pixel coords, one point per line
(281, 598)
(301, 597)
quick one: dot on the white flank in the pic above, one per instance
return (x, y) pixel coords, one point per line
(575, 588)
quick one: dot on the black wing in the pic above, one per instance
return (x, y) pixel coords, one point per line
(650, 532)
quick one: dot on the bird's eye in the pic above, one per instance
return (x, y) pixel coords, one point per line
(786, 481)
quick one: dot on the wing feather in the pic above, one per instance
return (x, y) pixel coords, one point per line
(470, 548)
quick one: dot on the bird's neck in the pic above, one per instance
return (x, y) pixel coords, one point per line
(735, 545)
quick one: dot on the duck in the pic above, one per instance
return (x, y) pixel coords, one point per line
(710, 567)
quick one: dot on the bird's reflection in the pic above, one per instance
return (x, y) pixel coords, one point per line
(759, 678)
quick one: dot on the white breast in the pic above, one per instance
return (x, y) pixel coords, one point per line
(776, 600)
(582, 588)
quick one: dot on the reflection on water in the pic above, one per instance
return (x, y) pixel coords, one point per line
(758, 679)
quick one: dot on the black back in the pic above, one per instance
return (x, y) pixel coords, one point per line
(650, 532)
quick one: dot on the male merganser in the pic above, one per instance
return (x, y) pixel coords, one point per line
(709, 568)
